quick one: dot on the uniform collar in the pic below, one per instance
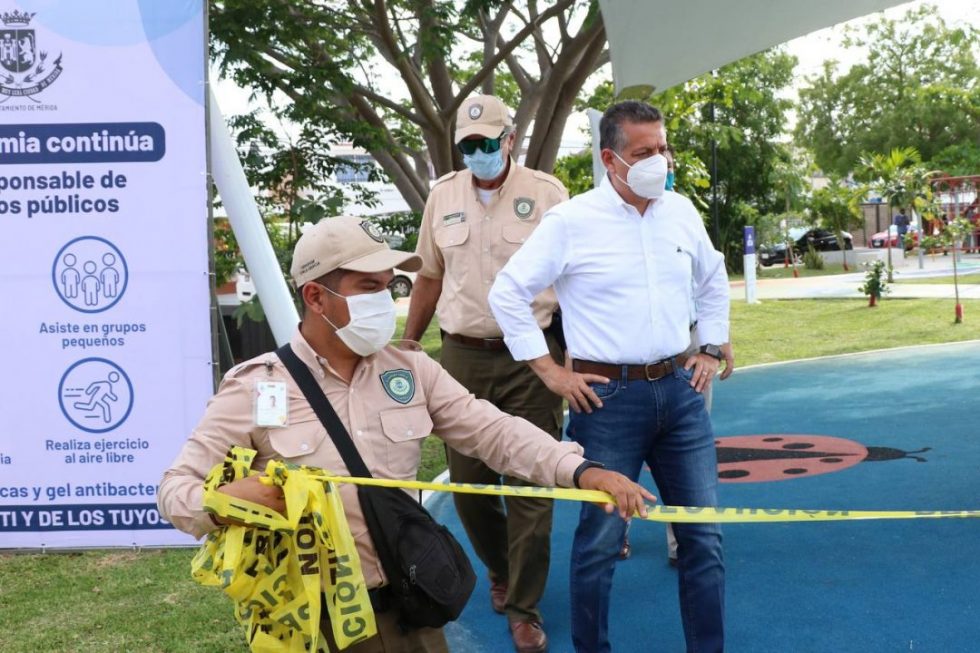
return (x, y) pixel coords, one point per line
(611, 195)
(305, 352)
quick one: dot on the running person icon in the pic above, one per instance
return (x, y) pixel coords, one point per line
(99, 396)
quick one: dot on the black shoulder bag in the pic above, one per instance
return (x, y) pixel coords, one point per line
(430, 577)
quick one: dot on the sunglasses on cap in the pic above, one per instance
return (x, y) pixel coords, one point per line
(487, 145)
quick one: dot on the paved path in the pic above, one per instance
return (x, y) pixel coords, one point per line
(837, 286)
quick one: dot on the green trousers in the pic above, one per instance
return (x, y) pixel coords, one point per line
(514, 543)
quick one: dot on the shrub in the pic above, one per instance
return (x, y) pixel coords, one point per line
(812, 259)
(874, 285)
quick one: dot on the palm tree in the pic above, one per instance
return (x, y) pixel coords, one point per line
(900, 179)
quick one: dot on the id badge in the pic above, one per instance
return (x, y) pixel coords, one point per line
(271, 407)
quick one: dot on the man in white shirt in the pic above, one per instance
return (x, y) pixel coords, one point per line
(623, 258)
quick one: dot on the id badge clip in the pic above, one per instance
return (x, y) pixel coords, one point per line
(271, 406)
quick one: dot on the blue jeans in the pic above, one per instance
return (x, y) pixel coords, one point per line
(662, 423)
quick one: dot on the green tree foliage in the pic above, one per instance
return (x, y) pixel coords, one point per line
(750, 117)
(899, 177)
(901, 180)
(917, 87)
(390, 75)
(837, 208)
(575, 171)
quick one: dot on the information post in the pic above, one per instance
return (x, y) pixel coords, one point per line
(748, 262)
(103, 265)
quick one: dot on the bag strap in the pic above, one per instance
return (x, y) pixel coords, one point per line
(321, 406)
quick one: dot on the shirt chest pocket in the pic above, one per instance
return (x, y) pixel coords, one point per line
(299, 443)
(453, 235)
(674, 264)
(517, 233)
(404, 430)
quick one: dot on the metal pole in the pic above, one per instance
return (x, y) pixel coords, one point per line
(249, 230)
(715, 228)
(958, 309)
(598, 170)
(888, 243)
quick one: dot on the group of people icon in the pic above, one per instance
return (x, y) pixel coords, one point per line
(93, 284)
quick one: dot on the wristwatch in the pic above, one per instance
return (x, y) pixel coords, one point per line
(712, 350)
(588, 464)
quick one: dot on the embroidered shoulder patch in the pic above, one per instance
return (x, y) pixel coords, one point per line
(523, 207)
(399, 385)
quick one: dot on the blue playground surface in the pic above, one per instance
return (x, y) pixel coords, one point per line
(904, 435)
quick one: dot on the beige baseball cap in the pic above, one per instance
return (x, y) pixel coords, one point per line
(348, 242)
(482, 115)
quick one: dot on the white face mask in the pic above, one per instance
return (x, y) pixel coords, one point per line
(647, 177)
(372, 321)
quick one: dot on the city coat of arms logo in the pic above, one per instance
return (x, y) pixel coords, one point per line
(25, 70)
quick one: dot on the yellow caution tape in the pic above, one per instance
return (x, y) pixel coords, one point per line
(274, 568)
(689, 515)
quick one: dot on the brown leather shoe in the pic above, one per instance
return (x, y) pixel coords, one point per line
(498, 596)
(529, 636)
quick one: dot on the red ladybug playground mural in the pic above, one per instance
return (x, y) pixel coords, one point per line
(777, 457)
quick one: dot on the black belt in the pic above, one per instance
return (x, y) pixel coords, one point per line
(490, 344)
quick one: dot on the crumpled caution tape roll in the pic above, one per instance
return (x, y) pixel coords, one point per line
(276, 567)
(690, 515)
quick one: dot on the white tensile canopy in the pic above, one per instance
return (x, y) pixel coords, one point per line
(659, 43)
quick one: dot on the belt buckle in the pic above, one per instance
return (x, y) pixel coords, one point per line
(663, 364)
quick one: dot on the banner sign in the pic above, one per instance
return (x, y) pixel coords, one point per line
(104, 281)
(748, 238)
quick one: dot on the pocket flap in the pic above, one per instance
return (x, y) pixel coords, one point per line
(296, 440)
(518, 232)
(452, 235)
(404, 424)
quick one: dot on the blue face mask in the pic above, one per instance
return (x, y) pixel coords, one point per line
(670, 180)
(485, 166)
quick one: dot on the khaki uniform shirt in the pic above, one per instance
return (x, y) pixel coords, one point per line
(396, 399)
(465, 243)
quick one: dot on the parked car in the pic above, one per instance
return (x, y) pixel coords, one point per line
(822, 240)
(401, 285)
(911, 239)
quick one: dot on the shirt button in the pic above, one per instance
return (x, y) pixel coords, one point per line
(304, 447)
(409, 432)
(360, 432)
(487, 218)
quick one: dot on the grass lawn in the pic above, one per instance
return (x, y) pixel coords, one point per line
(779, 272)
(146, 601)
(973, 277)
